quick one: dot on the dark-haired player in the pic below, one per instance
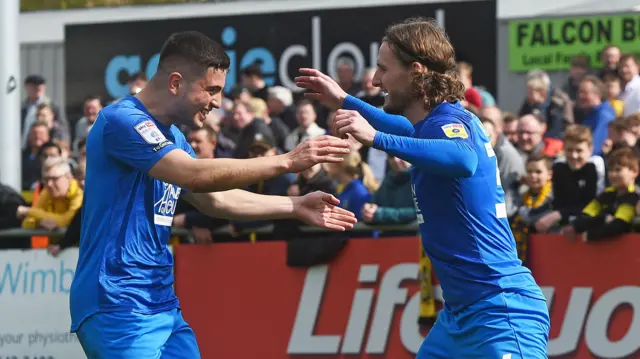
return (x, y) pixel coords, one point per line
(138, 164)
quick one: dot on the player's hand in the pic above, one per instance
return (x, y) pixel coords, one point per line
(321, 149)
(320, 209)
(321, 88)
(546, 222)
(202, 235)
(179, 220)
(53, 250)
(368, 212)
(569, 232)
(352, 123)
(22, 212)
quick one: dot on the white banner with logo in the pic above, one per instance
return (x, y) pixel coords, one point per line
(34, 305)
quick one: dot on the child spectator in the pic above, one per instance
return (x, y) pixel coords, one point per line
(610, 214)
(620, 136)
(613, 88)
(356, 182)
(633, 122)
(535, 203)
(577, 179)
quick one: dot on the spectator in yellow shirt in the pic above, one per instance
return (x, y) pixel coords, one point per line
(59, 200)
(613, 86)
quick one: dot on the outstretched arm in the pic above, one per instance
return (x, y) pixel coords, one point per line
(448, 153)
(319, 209)
(380, 120)
(455, 158)
(139, 144)
(326, 90)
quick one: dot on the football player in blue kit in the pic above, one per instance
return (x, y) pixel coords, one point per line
(123, 303)
(493, 307)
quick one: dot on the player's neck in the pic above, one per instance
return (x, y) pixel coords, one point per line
(415, 112)
(155, 105)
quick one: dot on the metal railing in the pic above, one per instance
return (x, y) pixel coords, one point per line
(37, 5)
(411, 228)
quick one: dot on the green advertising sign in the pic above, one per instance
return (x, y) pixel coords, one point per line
(549, 44)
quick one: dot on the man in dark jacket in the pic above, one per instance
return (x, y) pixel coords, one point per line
(10, 200)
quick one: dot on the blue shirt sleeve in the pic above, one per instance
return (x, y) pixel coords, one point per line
(444, 148)
(134, 140)
(600, 130)
(380, 120)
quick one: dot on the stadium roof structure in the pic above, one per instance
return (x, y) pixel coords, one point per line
(512, 9)
(48, 26)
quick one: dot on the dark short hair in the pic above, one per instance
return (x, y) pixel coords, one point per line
(537, 157)
(623, 157)
(49, 145)
(253, 70)
(580, 61)
(628, 56)
(93, 97)
(195, 49)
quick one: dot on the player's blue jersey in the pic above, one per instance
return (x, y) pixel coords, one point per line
(124, 263)
(463, 221)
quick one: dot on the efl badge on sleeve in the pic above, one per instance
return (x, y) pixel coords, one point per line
(455, 130)
(149, 132)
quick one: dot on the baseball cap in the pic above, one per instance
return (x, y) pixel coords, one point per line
(34, 80)
(264, 141)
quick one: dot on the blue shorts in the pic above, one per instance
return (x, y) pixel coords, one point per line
(501, 326)
(121, 335)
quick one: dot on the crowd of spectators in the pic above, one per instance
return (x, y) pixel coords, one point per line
(568, 159)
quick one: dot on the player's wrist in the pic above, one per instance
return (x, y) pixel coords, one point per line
(284, 163)
(296, 206)
(341, 99)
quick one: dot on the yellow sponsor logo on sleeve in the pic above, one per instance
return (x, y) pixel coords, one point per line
(455, 130)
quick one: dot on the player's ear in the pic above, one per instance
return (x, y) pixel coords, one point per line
(418, 67)
(174, 82)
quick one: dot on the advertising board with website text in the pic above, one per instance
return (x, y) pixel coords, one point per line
(244, 302)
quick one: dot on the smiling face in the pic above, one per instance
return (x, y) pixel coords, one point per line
(394, 78)
(192, 69)
(196, 96)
